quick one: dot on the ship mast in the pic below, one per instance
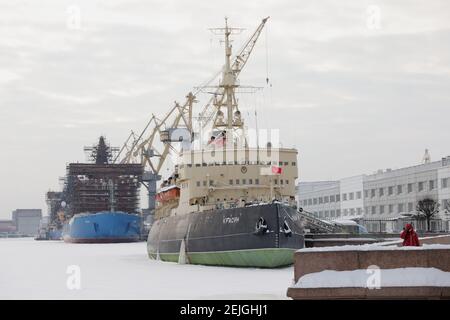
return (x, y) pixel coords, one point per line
(229, 80)
(227, 84)
(224, 95)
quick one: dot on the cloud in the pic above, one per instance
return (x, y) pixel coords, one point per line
(351, 98)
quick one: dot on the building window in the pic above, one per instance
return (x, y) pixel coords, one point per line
(276, 181)
(338, 212)
(256, 181)
(332, 198)
(444, 183)
(309, 201)
(431, 183)
(250, 181)
(410, 187)
(345, 212)
(366, 193)
(320, 214)
(198, 183)
(381, 192)
(420, 186)
(399, 189)
(211, 182)
(204, 183)
(374, 208)
(281, 181)
(352, 211)
(372, 193)
(381, 209)
(231, 181)
(391, 208)
(237, 181)
(351, 196)
(315, 200)
(400, 207)
(287, 181)
(344, 197)
(338, 197)
(358, 195)
(326, 199)
(390, 191)
(293, 164)
(332, 213)
(410, 207)
(327, 213)
(358, 211)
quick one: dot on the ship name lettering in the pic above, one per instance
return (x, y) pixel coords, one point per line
(231, 220)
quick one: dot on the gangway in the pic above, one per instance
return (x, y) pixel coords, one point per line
(318, 225)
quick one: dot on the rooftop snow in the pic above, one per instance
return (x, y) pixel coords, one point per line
(400, 277)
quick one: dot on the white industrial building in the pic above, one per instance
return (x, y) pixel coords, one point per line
(382, 201)
(27, 221)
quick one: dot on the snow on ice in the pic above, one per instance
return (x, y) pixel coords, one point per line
(32, 269)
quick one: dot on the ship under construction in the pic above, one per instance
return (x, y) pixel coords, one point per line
(99, 201)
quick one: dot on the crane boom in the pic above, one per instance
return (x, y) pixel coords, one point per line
(209, 111)
(243, 55)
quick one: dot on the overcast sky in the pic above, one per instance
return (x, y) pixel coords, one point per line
(356, 85)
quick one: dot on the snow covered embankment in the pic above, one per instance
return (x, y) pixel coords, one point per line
(361, 278)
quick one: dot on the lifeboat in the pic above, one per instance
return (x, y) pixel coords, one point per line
(168, 193)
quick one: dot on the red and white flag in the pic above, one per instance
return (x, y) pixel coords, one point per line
(270, 171)
(276, 170)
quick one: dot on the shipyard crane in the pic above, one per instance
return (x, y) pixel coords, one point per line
(176, 125)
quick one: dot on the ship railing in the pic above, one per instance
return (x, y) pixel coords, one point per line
(316, 222)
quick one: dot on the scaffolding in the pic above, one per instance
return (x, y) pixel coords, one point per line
(54, 200)
(102, 187)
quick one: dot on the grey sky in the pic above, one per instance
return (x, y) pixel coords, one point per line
(351, 97)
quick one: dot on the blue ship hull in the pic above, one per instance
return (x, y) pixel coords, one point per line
(55, 235)
(102, 227)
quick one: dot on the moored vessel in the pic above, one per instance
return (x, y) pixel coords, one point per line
(229, 201)
(102, 227)
(99, 202)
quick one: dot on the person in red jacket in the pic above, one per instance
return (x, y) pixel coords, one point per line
(409, 236)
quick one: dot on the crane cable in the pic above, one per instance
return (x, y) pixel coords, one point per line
(267, 56)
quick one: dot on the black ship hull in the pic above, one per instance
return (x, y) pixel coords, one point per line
(254, 236)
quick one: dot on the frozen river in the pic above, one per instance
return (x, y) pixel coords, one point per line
(32, 269)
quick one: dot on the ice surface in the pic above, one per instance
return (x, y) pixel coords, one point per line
(400, 277)
(32, 269)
